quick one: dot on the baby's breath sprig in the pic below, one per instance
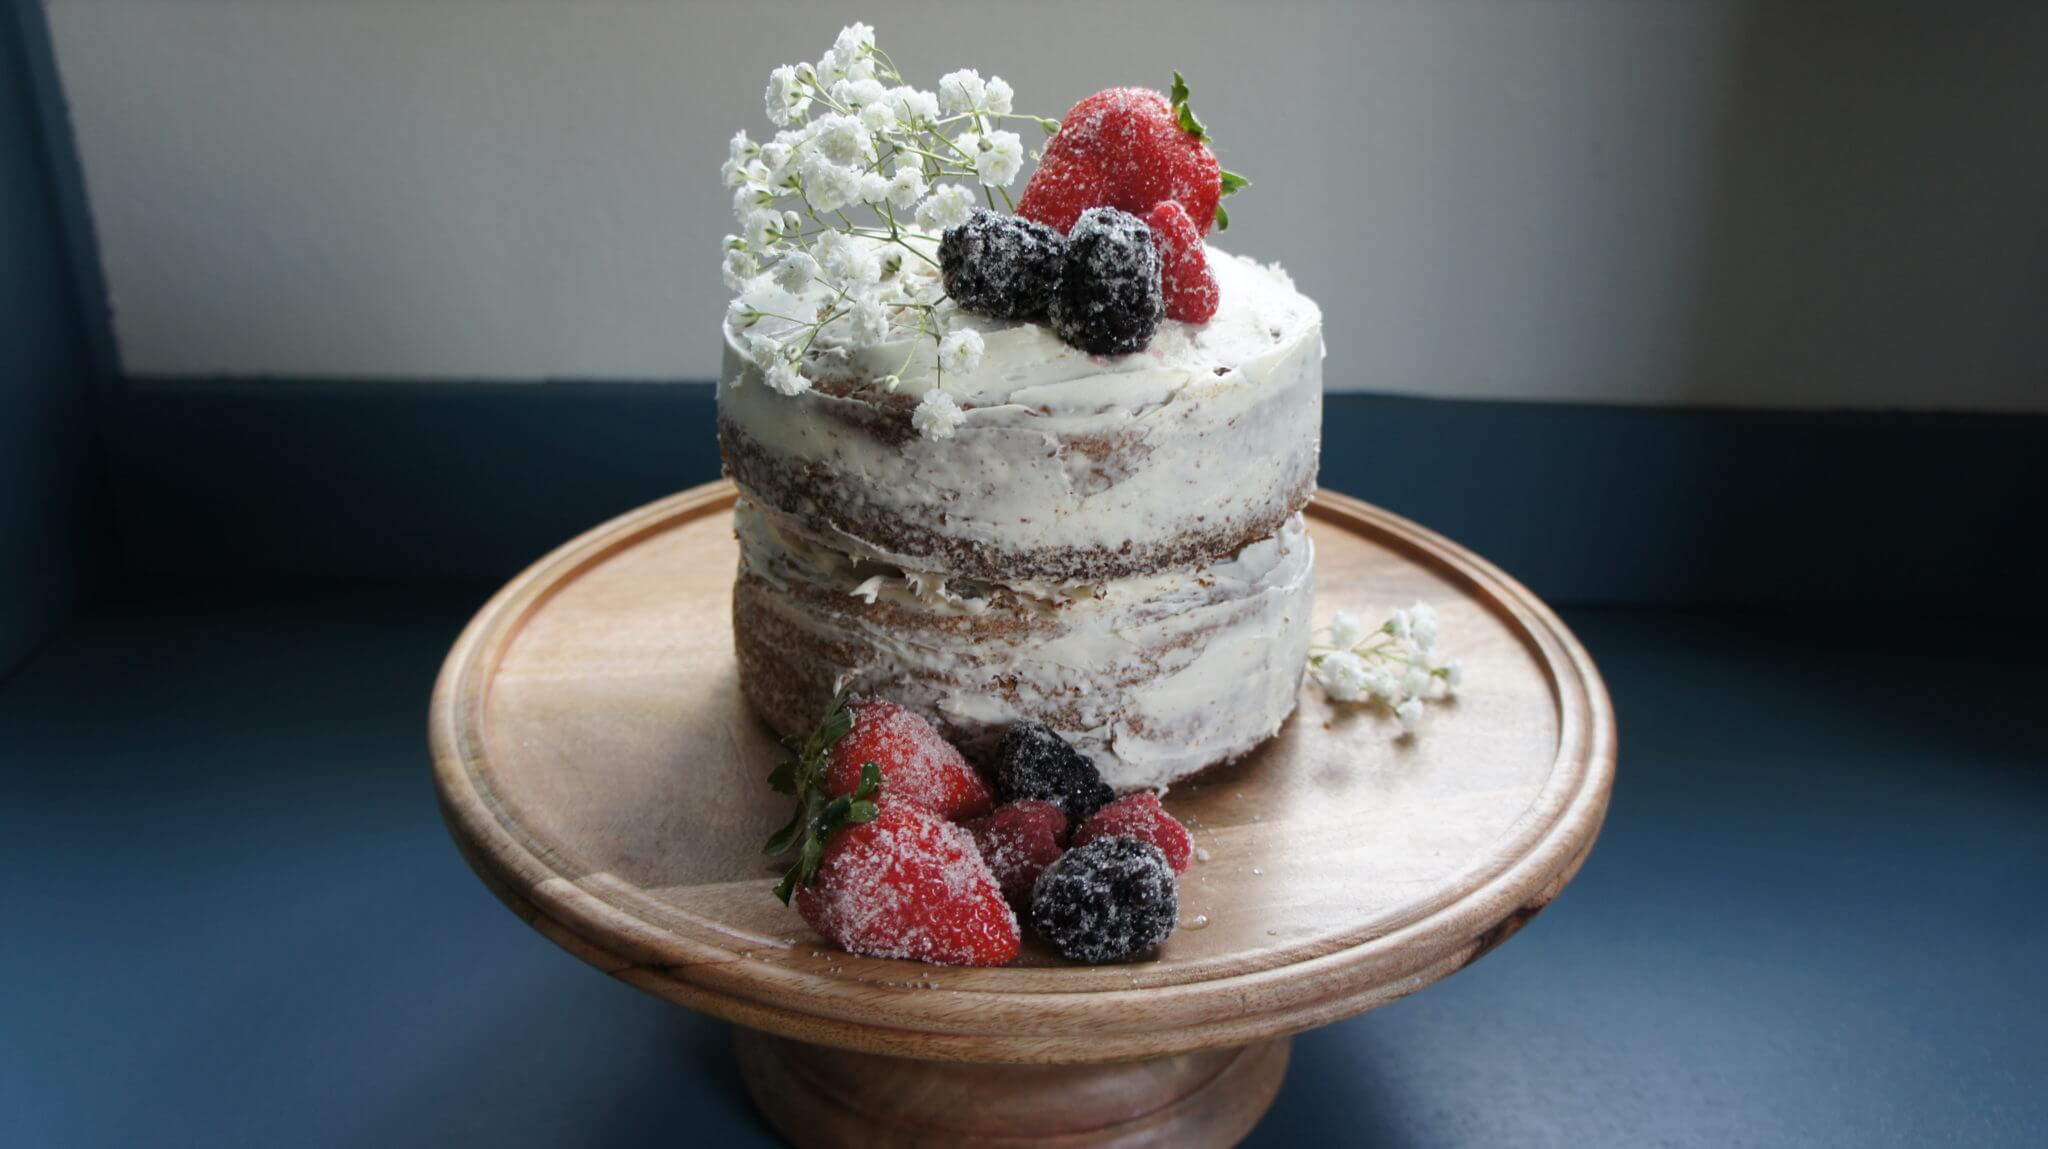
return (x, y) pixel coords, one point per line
(1396, 665)
(840, 213)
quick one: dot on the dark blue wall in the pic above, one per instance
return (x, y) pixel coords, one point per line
(1683, 507)
(47, 466)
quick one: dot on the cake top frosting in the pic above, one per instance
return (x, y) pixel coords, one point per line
(861, 250)
(1027, 363)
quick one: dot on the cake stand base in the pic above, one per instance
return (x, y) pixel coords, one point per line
(824, 1098)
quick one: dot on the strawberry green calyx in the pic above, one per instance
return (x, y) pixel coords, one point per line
(815, 823)
(1185, 114)
(818, 815)
(1188, 122)
(1232, 182)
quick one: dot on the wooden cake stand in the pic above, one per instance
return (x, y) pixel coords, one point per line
(599, 770)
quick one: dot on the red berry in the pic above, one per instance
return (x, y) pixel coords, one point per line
(1123, 148)
(1141, 816)
(1191, 294)
(917, 765)
(1019, 840)
(910, 884)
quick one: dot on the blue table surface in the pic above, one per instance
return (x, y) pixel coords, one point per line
(231, 915)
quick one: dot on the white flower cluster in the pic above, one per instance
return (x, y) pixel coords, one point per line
(1397, 665)
(840, 213)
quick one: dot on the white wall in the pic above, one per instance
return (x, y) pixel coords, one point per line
(1625, 200)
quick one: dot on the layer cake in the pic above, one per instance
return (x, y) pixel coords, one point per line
(1109, 545)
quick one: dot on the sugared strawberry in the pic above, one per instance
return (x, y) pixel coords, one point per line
(1141, 816)
(917, 764)
(1018, 841)
(1125, 148)
(1184, 277)
(909, 884)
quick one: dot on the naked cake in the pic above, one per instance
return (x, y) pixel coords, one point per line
(1000, 466)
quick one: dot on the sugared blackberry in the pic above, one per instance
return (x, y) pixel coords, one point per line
(1109, 300)
(1034, 762)
(1002, 265)
(1106, 901)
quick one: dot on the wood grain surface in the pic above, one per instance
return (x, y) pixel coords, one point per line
(597, 766)
(825, 1098)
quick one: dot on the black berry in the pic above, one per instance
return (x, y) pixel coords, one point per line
(1002, 265)
(1109, 300)
(1106, 901)
(1034, 762)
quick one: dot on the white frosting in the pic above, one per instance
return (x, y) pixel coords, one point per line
(1074, 552)
(1154, 676)
(1212, 431)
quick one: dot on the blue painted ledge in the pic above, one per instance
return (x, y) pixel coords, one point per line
(1649, 506)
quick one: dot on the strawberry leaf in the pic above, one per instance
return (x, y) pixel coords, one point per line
(837, 721)
(786, 838)
(1185, 113)
(1188, 122)
(808, 861)
(817, 816)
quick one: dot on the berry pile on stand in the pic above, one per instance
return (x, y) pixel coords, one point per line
(902, 849)
(1107, 240)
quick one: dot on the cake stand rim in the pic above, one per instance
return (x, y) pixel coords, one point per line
(1290, 992)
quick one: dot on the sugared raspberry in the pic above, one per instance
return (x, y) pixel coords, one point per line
(1141, 816)
(1184, 278)
(1018, 841)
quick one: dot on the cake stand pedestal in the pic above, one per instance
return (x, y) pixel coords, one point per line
(816, 1095)
(599, 770)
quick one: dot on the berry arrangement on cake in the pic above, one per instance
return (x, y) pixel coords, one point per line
(1013, 464)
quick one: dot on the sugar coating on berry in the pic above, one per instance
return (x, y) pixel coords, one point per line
(1034, 762)
(1122, 148)
(1002, 265)
(1184, 278)
(1109, 299)
(917, 763)
(1018, 842)
(910, 885)
(1141, 816)
(1109, 900)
